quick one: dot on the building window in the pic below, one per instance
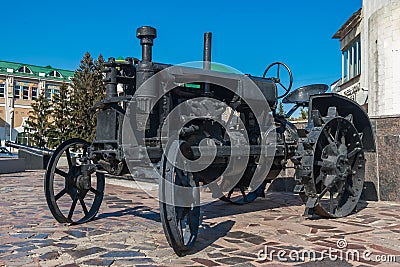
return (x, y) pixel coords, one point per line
(2, 89)
(55, 73)
(34, 92)
(352, 60)
(25, 69)
(25, 92)
(51, 90)
(17, 91)
(48, 94)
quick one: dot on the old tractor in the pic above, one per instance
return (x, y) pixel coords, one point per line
(208, 130)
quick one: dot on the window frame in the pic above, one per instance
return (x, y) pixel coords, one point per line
(351, 60)
(25, 89)
(17, 96)
(34, 89)
(51, 91)
(55, 74)
(3, 88)
(25, 69)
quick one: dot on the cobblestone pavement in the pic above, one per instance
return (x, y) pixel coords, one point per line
(127, 231)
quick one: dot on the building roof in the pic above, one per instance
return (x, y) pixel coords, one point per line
(348, 25)
(35, 71)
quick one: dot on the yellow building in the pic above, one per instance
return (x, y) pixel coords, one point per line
(19, 85)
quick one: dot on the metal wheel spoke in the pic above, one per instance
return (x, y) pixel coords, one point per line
(85, 210)
(337, 132)
(353, 152)
(97, 193)
(68, 157)
(328, 136)
(62, 173)
(60, 194)
(284, 87)
(350, 190)
(343, 140)
(182, 230)
(323, 192)
(71, 211)
(279, 67)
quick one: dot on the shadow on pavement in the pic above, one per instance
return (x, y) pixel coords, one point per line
(213, 234)
(138, 211)
(271, 201)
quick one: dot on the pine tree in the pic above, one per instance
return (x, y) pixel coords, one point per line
(39, 120)
(60, 129)
(281, 111)
(88, 89)
(303, 114)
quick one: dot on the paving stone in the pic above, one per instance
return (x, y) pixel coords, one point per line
(21, 244)
(205, 262)
(49, 255)
(232, 260)
(16, 256)
(326, 262)
(21, 262)
(133, 262)
(85, 252)
(65, 245)
(216, 255)
(76, 233)
(98, 262)
(27, 248)
(246, 264)
(44, 250)
(122, 254)
(21, 235)
(256, 240)
(40, 236)
(233, 240)
(118, 246)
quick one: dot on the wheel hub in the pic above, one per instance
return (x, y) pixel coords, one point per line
(335, 163)
(342, 166)
(83, 182)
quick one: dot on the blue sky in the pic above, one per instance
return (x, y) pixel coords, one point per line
(247, 35)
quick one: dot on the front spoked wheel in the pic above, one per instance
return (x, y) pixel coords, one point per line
(74, 189)
(179, 207)
(334, 183)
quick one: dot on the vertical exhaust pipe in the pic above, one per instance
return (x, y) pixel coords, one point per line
(146, 34)
(207, 58)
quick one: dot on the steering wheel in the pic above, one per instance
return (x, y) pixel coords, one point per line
(277, 78)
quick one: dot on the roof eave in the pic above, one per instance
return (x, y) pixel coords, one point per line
(353, 18)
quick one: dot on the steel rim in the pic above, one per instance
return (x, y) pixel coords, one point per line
(339, 168)
(181, 224)
(70, 202)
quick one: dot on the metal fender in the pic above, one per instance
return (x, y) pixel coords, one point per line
(345, 107)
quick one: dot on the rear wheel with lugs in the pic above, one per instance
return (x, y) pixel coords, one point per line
(332, 167)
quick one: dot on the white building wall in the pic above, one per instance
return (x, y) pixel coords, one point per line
(383, 64)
